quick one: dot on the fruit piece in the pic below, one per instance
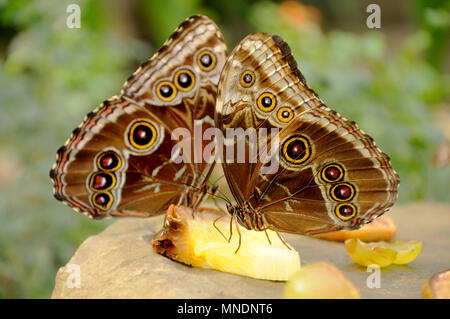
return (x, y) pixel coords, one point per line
(320, 281)
(382, 228)
(195, 241)
(382, 253)
(369, 254)
(437, 286)
(407, 251)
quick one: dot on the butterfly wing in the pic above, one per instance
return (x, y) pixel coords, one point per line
(173, 90)
(179, 83)
(261, 67)
(331, 176)
(321, 173)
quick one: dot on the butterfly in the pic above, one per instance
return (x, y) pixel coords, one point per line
(121, 161)
(329, 175)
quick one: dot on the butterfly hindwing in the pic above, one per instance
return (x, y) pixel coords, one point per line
(118, 162)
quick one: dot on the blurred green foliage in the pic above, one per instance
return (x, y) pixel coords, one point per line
(50, 76)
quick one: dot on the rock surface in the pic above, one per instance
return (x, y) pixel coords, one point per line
(120, 263)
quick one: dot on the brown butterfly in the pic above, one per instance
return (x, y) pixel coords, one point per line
(329, 175)
(120, 161)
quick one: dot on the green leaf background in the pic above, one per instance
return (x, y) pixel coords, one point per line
(51, 76)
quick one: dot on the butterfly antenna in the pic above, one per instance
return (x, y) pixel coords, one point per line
(218, 179)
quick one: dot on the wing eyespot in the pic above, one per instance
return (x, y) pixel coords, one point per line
(332, 173)
(142, 135)
(296, 149)
(184, 80)
(109, 161)
(342, 192)
(166, 91)
(266, 102)
(285, 114)
(102, 200)
(102, 181)
(345, 211)
(206, 60)
(247, 79)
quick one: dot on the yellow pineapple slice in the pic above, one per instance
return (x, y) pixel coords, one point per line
(194, 241)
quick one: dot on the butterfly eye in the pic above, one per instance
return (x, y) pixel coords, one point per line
(332, 173)
(102, 200)
(296, 150)
(266, 102)
(102, 181)
(184, 80)
(142, 135)
(247, 79)
(206, 60)
(345, 211)
(342, 192)
(109, 161)
(285, 114)
(166, 91)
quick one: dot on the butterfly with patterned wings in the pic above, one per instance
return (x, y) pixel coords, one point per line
(330, 174)
(120, 160)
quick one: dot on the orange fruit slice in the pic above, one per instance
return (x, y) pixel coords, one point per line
(382, 228)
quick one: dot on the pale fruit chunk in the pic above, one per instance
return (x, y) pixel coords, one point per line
(382, 228)
(382, 253)
(320, 281)
(195, 241)
(437, 286)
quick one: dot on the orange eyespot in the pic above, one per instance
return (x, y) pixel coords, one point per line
(285, 114)
(166, 91)
(345, 211)
(332, 173)
(102, 181)
(266, 102)
(296, 150)
(247, 79)
(142, 135)
(342, 192)
(102, 200)
(184, 80)
(109, 161)
(206, 60)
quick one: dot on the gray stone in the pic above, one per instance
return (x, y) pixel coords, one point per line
(120, 263)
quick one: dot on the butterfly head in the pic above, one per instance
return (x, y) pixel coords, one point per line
(247, 217)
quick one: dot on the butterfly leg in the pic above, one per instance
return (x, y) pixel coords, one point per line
(239, 233)
(231, 229)
(267, 235)
(214, 224)
(282, 240)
